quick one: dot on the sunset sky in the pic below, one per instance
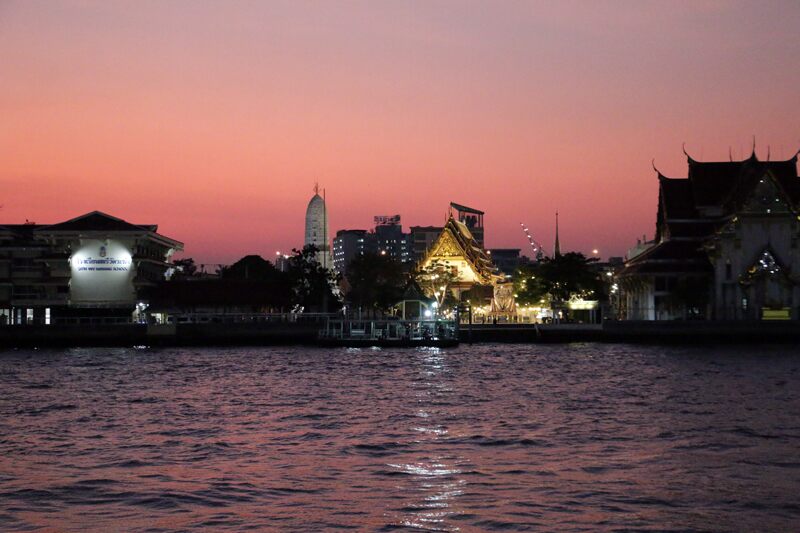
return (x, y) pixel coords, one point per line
(215, 119)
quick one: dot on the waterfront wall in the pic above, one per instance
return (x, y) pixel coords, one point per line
(701, 331)
(531, 333)
(306, 333)
(210, 334)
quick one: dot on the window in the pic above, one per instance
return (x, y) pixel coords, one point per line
(728, 271)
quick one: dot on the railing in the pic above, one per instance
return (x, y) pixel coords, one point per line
(752, 312)
(94, 320)
(389, 329)
(249, 318)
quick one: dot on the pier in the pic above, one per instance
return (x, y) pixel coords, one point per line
(389, 332)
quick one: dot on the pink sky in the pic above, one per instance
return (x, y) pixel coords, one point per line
(215, 119)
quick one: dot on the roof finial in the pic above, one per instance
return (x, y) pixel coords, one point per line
(683, 147)
(753, 153)
(316, 187)
(557, 247)
(768, 152)
(730, 154)
(653, 162)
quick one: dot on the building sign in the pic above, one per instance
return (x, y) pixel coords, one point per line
(102, 271)
(384, 220)
(107, 264)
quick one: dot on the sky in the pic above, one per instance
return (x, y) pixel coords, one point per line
(215, 119)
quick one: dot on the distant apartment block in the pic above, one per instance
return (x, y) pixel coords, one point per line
(422, 238)
(349, 244)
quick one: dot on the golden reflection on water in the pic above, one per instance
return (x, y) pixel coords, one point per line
(437, 481)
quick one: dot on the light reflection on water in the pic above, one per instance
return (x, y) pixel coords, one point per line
(492, 437)
(436, 482)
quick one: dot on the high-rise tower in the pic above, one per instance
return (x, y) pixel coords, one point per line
(317, 228)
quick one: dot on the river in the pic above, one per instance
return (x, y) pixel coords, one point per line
(579, 437)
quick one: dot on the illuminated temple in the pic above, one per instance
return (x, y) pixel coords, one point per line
(476, 279)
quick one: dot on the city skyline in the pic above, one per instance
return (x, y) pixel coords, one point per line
(216, 122)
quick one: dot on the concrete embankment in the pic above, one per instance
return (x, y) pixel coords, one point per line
(531, 333)
(208, 334)
(697, 331)
(306, 333)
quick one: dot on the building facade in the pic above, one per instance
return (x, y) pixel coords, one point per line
(422, 238)
(349, 244)
(391, 240)
(94, 265)
(727, 246)
(507, 260)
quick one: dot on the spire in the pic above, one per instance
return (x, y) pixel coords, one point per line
(316, 188)
(557, 247)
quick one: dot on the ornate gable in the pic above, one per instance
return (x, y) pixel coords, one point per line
(446, 246)
(456, 246)
(767, 197)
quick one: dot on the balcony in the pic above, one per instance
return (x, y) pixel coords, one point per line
(26, 272)
(38, 300)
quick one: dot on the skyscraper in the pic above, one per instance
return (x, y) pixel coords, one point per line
(317, 228)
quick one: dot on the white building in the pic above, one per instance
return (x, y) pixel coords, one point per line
(94, 265)
(317, 229)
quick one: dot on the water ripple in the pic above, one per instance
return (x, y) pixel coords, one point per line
(579, 437)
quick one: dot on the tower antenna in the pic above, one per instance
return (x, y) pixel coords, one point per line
(557, 247)
(324, 230)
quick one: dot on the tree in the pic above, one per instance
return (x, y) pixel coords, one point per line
(529, 286)
(311, 282)
(436, 280)
(376, 281)
(184, 268)
(252, 267)
(569, 275)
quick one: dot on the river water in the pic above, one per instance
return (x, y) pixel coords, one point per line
(582, 437)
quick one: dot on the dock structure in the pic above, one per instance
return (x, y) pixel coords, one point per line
(389, 332)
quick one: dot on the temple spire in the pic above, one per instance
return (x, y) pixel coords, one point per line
(557, 247)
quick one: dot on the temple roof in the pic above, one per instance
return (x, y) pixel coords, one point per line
(456, 240)
(670, 257)
(691, 210)
(413, 293)
(96, 221)
(718, 189)
(715, 183)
